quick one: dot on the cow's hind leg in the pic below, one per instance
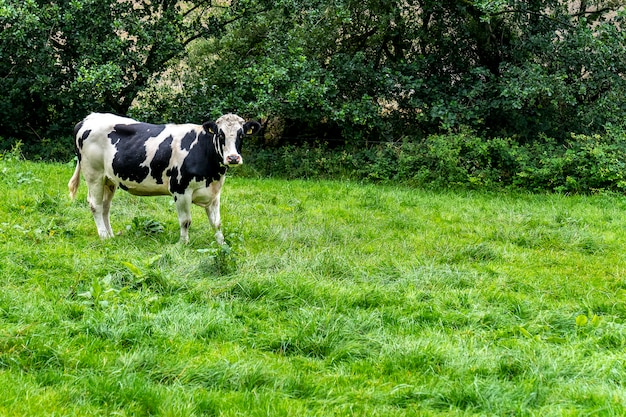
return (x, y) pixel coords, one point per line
(183, 207)
(100, 202)
(213, 212)
(107, 197)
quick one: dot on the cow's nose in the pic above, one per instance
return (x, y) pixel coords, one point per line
(233, 159)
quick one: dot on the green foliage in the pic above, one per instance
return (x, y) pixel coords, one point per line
(222, 259)
(144, 225)
(398, 70)
(351, 71)
(61, 60)
(100, 294)
(582, 164)
(14, 154)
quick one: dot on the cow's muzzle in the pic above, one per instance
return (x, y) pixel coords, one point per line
(234, 160)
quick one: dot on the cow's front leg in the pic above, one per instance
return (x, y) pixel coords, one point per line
(183, 206)
(213, 212)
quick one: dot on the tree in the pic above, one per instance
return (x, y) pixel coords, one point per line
(353, 70)
(398, 69)
(60, 60)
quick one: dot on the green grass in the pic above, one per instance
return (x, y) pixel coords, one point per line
(333, 298)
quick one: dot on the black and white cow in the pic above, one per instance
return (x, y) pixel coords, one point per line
(186, 161)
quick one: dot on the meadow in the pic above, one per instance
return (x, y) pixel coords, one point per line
(332, 298)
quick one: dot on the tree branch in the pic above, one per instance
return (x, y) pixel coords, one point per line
(598, 12)
(562, 22)
(533, 13)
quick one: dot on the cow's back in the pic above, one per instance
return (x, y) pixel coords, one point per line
(139, 157)
(95, 149)
(99, 125)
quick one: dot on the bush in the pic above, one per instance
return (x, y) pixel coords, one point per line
(442, 161)
(60, 150)
(462, 159)
(582, 164)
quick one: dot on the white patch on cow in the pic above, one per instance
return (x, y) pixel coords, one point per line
(152, 146)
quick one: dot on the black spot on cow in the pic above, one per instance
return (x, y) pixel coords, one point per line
(161, 159)
(187, 141)
(175, 186)
(205, 163)
(239, 142)
(78, 126)
(79, 144)
(130, 142)
(80, 140)
(202, 164)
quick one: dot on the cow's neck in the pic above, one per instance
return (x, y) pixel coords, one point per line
(213, 169)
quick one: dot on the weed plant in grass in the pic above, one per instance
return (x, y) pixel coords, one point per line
(331, 298)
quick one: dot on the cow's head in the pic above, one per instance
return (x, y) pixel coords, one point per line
(228, 132)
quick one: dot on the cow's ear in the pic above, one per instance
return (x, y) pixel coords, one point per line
(250, 128)
(210, 127)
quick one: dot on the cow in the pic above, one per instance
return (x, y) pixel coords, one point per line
(187, 161)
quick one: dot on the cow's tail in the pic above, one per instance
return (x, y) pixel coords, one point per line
(74, 181)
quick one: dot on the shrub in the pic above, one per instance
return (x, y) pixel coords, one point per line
(582, 164)
(443, 161)
(462, 159)
(61, 149)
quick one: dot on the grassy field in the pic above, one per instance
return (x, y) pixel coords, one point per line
(332, 298)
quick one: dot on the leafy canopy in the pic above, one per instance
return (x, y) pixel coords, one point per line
(60, 60)
(377, 70)
(392, 69)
